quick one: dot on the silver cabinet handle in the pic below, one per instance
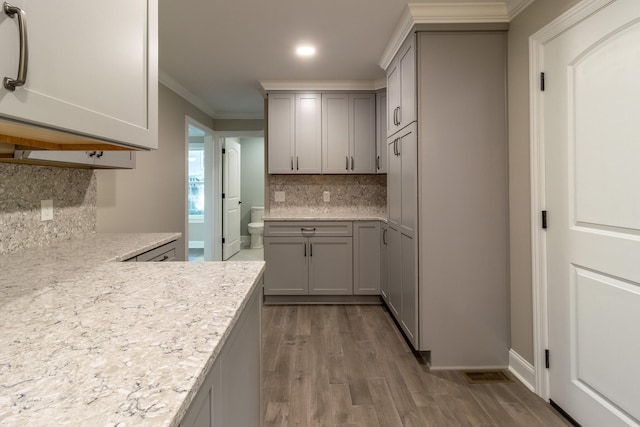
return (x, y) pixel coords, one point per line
(310, 249)
(352, 162)
(9, 83)
(346, 162)
(378, 162)
(398, 145)
(297, 163)
(307, 229)
(305, 250)
(291, 162)
(399, 115)
(384, 237)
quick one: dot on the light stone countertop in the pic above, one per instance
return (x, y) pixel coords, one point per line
(86, 341)
(315, 214)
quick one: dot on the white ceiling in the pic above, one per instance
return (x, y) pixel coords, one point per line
(217, 51)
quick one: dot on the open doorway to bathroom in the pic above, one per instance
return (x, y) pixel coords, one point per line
(204, 193)
(252, 185)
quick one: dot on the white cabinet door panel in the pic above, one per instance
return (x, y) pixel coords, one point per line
(362, 119)
(330, 266)
(92, 70)
(281, 134)
(308, 133)
(335, 133)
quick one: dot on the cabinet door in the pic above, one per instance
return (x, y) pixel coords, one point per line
(407, 112)
(395, 270)
(335, 133)
(281, 134)
(381, 132)
(393, 97)
(92, 69)
(330, 266)
(394, 184)
(366, 258)
(362, 133)
(409, 289)
(287, 271)
(408, 155)
(384, 262)
(308, 151)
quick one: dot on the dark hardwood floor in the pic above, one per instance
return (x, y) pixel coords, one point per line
(349, 366)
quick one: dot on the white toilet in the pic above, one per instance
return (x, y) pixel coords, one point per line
(256, 226)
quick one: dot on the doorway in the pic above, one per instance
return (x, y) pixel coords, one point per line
(204, 189)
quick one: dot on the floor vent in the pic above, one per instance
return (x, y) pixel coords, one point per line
(486, 377)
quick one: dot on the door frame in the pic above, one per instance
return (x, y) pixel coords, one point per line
(538, 197)
(213, 211)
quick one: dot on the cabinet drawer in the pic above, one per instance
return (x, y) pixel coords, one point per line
(308, 228)
(162, 253)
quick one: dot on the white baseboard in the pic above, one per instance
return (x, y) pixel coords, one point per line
(522, 370)
(196, 244)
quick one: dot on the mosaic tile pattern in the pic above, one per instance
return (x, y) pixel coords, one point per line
(349, 193)
(22, 187)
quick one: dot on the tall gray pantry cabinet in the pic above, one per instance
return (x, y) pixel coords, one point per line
(447, 195)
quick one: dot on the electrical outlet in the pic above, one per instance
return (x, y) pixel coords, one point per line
(46, 210)
(326, 196)
(279, 196)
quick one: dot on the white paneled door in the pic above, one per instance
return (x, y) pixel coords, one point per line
(592, 185)
(231, 199)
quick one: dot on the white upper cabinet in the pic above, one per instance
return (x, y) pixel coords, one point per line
(294, 144)
(92, 69)
(348, 133)
(401, 88)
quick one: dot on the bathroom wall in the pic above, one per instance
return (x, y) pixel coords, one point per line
(251, 179)
(22, 187)
(348, 193)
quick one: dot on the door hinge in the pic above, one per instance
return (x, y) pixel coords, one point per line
(542, 82)
(223, 196)
(546, 358)
(544, 220)
(224, 151)
(223, 240)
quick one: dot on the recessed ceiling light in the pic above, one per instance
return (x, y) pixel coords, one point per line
(306, 50)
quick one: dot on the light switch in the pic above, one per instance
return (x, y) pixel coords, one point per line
(46, 210)
(326, 196)
(279, 196)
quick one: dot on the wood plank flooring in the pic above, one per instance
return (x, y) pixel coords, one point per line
(349, 366)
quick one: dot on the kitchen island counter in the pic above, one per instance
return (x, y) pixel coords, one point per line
(86, 341)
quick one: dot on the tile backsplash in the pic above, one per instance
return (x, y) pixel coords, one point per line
(22, 187)
(362, 193)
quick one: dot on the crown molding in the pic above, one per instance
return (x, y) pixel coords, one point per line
(448, 13)
(173, 84)
(317, 85)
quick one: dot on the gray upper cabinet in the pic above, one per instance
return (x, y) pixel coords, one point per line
(401, 88)
(294, 137)
(98, 81)
(348, 133)
(85, 159)
(381, 132)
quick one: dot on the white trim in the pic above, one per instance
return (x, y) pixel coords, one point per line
(300, 85)
(522, 370)
(537, 165)
(514, 7)
(195, 244)
(400, 33)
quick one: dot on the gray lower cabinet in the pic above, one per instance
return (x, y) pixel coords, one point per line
(231, 392)
(366, 258)
(164, 253)
(314, 258)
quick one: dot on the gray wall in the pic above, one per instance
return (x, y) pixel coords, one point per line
(252, 178)
(536, 16)
(152, 198)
